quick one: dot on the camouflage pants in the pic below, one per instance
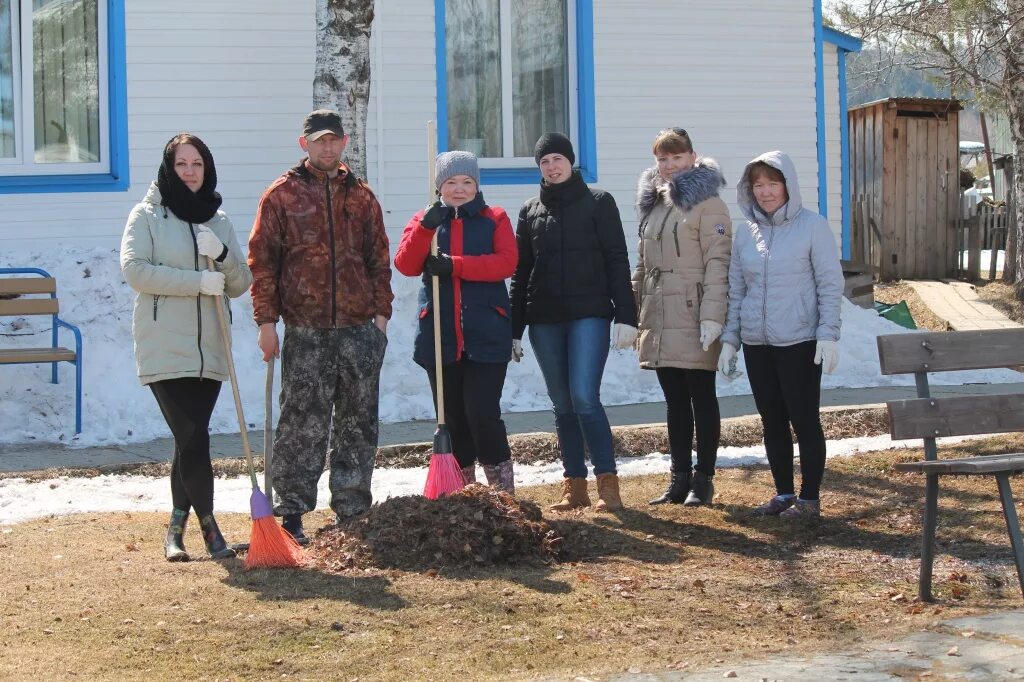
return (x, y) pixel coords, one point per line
(329, 389)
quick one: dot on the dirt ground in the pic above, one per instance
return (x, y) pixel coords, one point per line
(648, 589)
(1000, 296)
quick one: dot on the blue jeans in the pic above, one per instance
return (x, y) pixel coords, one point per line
(571, 356)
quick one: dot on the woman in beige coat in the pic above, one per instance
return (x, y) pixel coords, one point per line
(681, 285)
(178, 350)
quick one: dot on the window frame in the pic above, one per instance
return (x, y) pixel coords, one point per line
(111, 174)
(582, 129)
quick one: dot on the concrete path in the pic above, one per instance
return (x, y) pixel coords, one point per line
(958, 304)
(34, 457)
(980, 648)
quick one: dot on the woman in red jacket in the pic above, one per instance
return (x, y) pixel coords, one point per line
(476, 253)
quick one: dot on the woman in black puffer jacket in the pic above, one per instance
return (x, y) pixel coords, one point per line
(572, 281)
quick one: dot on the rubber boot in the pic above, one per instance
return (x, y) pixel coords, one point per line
(702, 491)
(174, 544)
(608, 491)
(215, 545)
(574, 495)
(678, 486)
(293, 524)
(501, 477)
(469, 474)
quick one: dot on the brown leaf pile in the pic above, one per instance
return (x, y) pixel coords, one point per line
(476, 526)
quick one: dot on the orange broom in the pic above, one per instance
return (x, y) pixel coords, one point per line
(444, 474)
(270, 546)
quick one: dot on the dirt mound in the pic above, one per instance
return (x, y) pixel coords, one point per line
(476, 526)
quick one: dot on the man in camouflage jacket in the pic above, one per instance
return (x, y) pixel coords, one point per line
(319, 258)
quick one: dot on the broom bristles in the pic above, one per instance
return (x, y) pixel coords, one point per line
(444, 476)
(271, 546)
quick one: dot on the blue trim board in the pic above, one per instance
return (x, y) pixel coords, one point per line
(819, 97)
(844, 41)
(586, 135)
(441, 61)
(117, 180)
(844, 146)
(586, 116)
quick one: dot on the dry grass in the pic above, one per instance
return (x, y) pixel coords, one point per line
(1000, 296)
(924, 318)
(90, 596)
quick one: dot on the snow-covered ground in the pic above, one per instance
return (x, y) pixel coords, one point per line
(117, 409)
(986, 260)
(21, 500)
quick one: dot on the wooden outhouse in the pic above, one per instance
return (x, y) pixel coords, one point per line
(904, 165)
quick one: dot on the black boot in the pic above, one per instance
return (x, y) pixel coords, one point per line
(215, 544)
(702, 491)
(678, 486)
(293, 524)
(174, 544)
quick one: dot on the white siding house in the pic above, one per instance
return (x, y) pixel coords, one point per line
(740, 76)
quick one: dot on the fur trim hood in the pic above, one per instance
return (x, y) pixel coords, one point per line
(687, 189)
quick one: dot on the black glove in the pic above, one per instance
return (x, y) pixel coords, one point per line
(440, 265)
(434, 216)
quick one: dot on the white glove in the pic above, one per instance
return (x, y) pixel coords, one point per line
(826, 354)
(727, 361)
(623, 336)
(517, 350)
(709, 331)
(212, 283)
(208, 243)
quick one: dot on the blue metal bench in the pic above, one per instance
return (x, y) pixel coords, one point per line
(14, 303)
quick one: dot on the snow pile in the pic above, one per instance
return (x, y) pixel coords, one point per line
(117, 409)
(22, 500)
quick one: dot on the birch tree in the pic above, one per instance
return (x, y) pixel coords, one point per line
(341, 78)
(979, 44)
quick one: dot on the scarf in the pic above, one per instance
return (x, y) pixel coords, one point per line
(191, 207)
(564, 193)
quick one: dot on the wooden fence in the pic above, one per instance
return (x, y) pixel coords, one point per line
(981, 227)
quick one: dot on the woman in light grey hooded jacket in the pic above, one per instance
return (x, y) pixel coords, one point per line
(785, 292)
(180, 355)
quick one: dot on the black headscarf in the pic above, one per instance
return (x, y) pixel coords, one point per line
(192, 207)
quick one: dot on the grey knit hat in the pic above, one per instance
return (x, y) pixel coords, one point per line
(449, 164)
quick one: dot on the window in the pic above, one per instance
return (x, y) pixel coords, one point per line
(61, 130)
(510, 70)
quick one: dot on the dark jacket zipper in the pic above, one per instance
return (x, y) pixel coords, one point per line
(334, 274)
(199, 304)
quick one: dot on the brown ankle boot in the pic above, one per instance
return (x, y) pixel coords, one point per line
(608, 491)
(574, 495)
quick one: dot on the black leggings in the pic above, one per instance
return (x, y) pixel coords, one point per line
(787, 390)
(187, 405)
(472, 410)
(691, 402)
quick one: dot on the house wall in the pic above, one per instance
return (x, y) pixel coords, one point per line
(242, 81)
(732, 106)
(739, 77)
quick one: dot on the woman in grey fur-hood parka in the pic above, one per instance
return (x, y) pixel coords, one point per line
(681, 285)
(785, 292)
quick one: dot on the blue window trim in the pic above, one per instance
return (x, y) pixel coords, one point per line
(117, 178)
(819, 97)
(586, 152)
(845, 43)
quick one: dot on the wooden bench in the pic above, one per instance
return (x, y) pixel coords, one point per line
(929, 418)
(16, 301)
